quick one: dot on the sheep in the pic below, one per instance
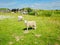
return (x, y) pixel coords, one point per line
(30, 24)
(20, 18)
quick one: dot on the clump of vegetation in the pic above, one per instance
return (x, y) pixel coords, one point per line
(44, 13)
(57, 11)
(31, 13)
(47, 13)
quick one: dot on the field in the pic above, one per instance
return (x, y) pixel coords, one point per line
(12, 32)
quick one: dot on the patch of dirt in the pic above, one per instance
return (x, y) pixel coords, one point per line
(18, 38)
(37, 35)
(26, 31)
(10, 43)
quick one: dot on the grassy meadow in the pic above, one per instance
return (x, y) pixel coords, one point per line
(12, 32)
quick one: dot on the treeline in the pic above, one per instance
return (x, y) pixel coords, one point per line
(30, 11)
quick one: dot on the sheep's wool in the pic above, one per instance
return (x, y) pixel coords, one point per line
(30, 24)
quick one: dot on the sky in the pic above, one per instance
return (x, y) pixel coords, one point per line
(35, 4)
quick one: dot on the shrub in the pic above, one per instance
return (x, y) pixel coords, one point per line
(31, 13)
(47, 14)
(44, 13)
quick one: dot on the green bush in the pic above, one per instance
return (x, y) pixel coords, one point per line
(31, 13)
(44, 13)
(47, 14)
(57, 11)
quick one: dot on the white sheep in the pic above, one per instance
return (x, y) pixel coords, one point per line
(20, 18)
(30, 24)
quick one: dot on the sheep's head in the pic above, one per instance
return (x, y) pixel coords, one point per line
(25, 21)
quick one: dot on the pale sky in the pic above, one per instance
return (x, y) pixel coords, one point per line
(36, 4)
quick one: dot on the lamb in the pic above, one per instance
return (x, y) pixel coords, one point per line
(20, 18)
(30, 24)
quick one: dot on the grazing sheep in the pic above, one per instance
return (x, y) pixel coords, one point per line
(20, 18)
(30, 24)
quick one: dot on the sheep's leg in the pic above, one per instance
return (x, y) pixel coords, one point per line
(18, 20)
(35, 28)
(27, 27)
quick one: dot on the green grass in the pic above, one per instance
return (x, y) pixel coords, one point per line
(47, 27)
